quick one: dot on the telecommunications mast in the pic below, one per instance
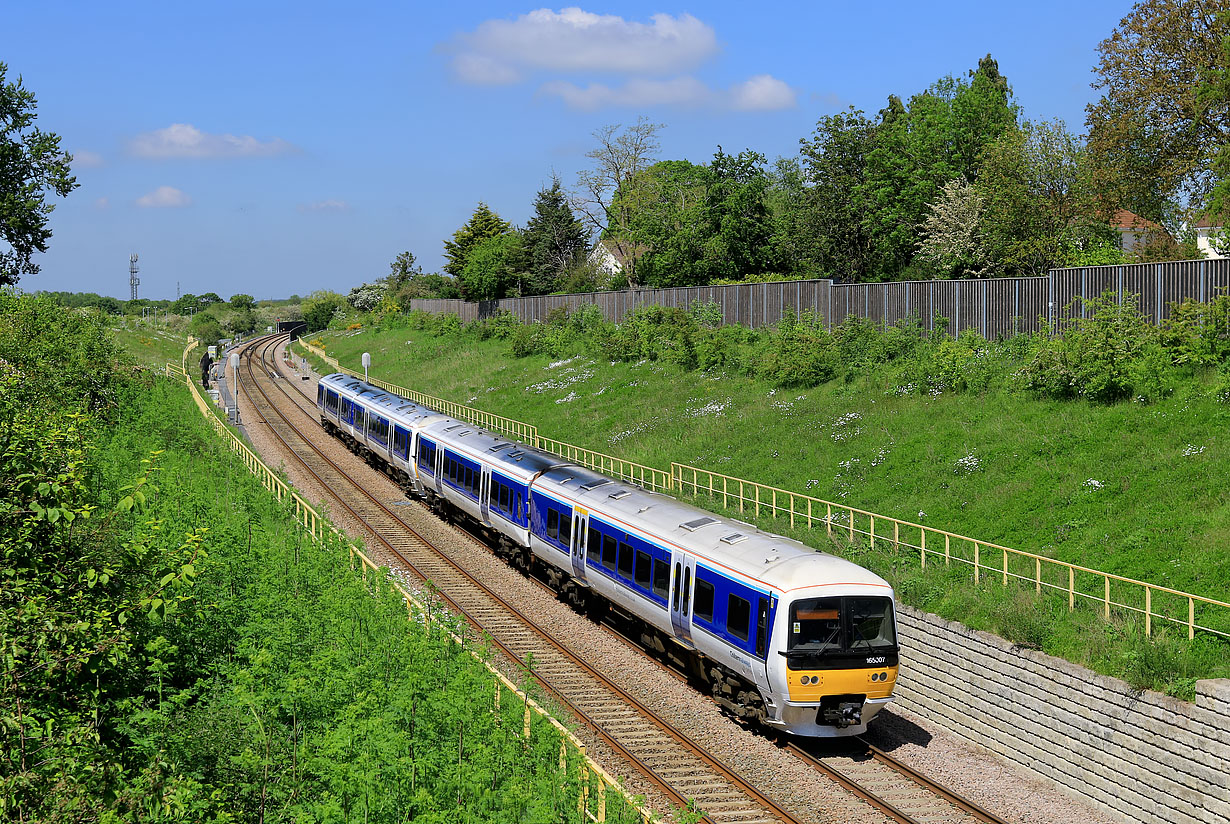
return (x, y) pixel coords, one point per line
(133, 280)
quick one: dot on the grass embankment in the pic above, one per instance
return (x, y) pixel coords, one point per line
(1135, 489)
(178, 649)
(150, 345)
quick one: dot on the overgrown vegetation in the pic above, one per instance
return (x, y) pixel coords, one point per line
(1102, 447)
(175, 648)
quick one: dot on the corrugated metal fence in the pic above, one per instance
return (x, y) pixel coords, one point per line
(996, 307)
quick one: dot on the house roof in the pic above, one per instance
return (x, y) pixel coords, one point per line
(1206, 222)
(1123, 219)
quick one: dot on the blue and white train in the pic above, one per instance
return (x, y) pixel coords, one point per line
(797, 639)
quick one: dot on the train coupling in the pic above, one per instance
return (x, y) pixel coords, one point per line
(842, 710)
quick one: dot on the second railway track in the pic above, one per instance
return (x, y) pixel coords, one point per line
(677, 765)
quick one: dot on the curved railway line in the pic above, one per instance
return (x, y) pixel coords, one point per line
(677, 765)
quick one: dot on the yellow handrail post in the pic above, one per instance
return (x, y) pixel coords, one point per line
(976, 562)
(922, 550)
(1107, 578)
(1148, 610)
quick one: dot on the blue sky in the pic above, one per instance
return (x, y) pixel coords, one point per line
(279, 148)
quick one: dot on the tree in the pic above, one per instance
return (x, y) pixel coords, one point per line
(428, 286)
(186, 304)
(401, 270)
(493, 267)
(483, 224)
(667, 222)
(319, 309)
(366, 297)
(618, 158)
(241, 302)
(555, 241)
(918, 148)
(832, 226)
(1156, 130)
(1041, 210)
(951, 233)
(31, 164)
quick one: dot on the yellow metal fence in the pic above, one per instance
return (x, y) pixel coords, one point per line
(1104, 590)
(595, 782)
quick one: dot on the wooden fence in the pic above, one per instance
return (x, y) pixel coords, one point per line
(595, 782)
(995, 307)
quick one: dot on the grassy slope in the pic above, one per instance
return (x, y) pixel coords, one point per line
(1159, 516)
(152, 346)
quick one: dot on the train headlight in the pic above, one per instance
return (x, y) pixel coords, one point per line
(803, 679)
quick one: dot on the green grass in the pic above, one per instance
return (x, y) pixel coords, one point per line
(1159, 515)
(152, 346)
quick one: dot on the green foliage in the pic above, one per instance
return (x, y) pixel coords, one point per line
(66, 356)
(484, 224)
(31, 164)
(320, 308)
(242, 302)
(555, 242)
(493, 267)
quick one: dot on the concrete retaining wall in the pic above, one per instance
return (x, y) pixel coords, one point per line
(1143, 756)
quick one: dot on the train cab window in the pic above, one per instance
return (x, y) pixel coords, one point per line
(608, 552)
(704, 600)
(815, 625)
(625, 560)
(553, 524)
(738, 617)
(661, 577)
(320, 394)
(644, 573)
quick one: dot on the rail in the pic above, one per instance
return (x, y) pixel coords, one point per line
(987, 560)
(1103, 590)
(595, 781)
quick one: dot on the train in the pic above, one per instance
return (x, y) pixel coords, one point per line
(781, 634)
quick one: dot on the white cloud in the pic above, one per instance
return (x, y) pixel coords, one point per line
(85, 159)
(325, 206)
(102, 203)
(164, 197)
(574, 40)
(186, 140)
(679, 91)
(762, 93)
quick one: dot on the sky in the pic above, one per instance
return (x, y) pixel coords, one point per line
(273, 149)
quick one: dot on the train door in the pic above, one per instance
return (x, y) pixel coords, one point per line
(439, 468)
(580, 536)
(683, 571)
(484, 493)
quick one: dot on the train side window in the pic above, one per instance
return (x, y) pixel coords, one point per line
(552, 524)
(565, 528)
(738, 616)
(661, 577)
(644, 573)
(704, 600)
(593, 542)
(762, 626)
(320, 394)
(678, 586)
(608, 552)
(625, 560)
(518, 511)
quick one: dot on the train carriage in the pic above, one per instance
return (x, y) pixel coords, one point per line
(797, 639)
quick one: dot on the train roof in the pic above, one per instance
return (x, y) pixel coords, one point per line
(403, 409)
(775, 560)
(511, 457)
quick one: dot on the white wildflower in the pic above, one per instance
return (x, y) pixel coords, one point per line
(569, 398)
(1092, 483)
(970, 463)
(1192, 449)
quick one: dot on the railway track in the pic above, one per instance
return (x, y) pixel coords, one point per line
(670, 760)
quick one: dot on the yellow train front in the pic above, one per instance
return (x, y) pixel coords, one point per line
(834, 658)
